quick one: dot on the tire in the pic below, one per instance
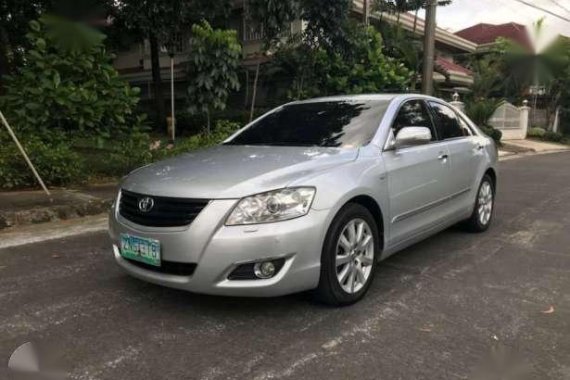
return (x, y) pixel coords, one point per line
(482, 217)
(361, 261)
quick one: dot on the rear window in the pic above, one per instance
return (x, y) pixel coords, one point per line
(343, 124)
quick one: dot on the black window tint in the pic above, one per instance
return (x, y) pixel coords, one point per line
(413, 114)
(325, 124)
(466, 128)
(447, 122)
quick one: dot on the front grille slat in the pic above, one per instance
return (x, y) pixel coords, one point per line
(167, 267)
(166, 212)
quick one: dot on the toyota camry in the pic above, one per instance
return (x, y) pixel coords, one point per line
(310, 196)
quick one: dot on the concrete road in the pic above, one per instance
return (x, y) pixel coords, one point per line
(447, 308)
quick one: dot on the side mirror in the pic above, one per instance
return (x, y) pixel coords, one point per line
(411, 136)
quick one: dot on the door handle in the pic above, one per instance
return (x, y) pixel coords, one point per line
(443, 157)
(480, 147)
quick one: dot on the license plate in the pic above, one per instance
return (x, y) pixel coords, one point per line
(140, 249)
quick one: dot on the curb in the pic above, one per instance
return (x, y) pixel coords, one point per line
(88, 205)
(515, 156)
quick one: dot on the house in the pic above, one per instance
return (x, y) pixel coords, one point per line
(486, 35)
(449, 75)
(134, 64)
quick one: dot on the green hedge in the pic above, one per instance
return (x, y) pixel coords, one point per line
(56, 162)
(543, 134)
(493, 133)
(536, 132)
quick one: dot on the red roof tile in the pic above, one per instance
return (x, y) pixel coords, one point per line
(489, 33)
(449, 66)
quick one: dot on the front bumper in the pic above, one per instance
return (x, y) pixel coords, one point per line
(217, 249)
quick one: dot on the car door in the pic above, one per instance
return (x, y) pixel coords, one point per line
(417, 177)
(464, 150)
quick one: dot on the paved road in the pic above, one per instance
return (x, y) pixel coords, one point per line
(443, 309)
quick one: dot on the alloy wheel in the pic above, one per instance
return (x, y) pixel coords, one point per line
(354, 255)
(485, 203)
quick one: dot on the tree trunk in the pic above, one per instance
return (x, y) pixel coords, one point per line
(416, 21)
(254, 91)
(4, 63)
(208, 126)
(246, 97)
(157, 82)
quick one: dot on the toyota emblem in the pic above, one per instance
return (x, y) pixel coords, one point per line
(146, 204)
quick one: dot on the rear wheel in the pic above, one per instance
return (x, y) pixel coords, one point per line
(482, 215)
(349, 256)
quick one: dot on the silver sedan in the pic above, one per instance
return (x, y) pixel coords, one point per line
(309, 196)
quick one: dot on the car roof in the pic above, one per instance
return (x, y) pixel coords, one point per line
(365, 97)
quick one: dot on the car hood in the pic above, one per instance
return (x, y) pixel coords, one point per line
(227, 171)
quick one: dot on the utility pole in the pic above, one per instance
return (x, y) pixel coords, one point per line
(172, 100)
(365, 11)
(429, 47)
(26, 158)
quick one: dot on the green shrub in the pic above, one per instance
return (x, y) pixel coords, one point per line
(536, 132)
(222, 131)
(553, 136)
(67, 82)
(129, 154)
(493, 133)
(481, 110)
(56, 162)
(114, 157)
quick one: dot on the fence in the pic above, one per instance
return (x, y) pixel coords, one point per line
(511, 120)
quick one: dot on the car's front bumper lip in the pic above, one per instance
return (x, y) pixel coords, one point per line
(218, 249)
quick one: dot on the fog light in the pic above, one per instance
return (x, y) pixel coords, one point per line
(265, 269)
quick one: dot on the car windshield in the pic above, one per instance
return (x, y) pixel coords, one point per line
(342, 124)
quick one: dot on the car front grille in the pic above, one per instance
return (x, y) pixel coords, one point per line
(167, 267)
(165, 212)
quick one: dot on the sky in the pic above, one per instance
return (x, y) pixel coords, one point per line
(464, 13)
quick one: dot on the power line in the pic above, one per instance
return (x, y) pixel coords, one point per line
(560, 5)
(543, 10)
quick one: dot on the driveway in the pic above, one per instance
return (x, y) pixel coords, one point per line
(446, 308)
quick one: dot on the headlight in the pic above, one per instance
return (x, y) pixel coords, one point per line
(272, 206)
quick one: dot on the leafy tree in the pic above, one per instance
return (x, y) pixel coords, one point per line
(488, 79)
(14, 18)
(212, 68)
(365, 70)
(325, 22)
(403, 6)
(16, 14)
(67, 82)
(557, 59)
(161, 22)
(274, 16)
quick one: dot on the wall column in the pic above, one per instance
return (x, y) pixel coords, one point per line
(524, 121)
(457, 103)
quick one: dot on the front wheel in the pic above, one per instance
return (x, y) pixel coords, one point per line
(482, 215)
(349, 256)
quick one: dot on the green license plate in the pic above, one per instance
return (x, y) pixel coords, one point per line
(140, 249)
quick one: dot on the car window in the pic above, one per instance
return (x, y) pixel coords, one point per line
(447, 122)
(413, 113)
(467, 131)
(348, 124)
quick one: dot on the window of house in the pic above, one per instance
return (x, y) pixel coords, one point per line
(414, 113)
